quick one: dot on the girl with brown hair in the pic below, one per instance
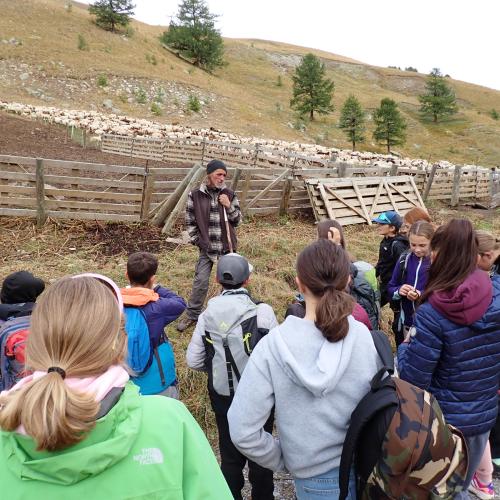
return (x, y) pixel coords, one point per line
(77, 427)
(315, 371)
(454, 351)
(409, 277)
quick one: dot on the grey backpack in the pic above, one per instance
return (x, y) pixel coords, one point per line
(231, 333)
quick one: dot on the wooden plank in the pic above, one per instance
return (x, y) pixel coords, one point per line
(76, 193)
(19, 202)
(390, 196)
(274, 183)
(92, 206)
(147, 194)
(455, 195)
(95, 167)
(41, 210)
(18, 160)
(17, 212)
(404, 194)
(375, 201)
(322, 192)
(92, 216)
(360, 198)
(353, 208)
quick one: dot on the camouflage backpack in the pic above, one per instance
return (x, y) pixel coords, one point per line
(401, 444)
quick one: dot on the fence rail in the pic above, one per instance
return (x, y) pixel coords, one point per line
(267, 181)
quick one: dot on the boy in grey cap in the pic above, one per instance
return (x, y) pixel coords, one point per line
(224, 337)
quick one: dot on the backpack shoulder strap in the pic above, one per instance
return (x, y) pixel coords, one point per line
(384, 349)
(371, 404)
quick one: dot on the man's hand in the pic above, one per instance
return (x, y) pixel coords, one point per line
(224, 200)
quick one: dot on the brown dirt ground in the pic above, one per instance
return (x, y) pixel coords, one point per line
(20, 136)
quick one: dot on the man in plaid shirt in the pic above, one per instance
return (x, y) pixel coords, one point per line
(207, 229)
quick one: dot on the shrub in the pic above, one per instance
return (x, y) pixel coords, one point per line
(129, 31)
(140, 95)
(151, 59)
(279, 82)
(156, 109)
(160, 95)
(194, 104)
(102, 81)
(82, 43)
(494, 114)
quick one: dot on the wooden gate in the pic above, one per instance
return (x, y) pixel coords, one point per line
(358, 200)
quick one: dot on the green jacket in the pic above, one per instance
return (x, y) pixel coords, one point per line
(147, 447)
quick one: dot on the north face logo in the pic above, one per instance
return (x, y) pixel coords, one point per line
(149, 456)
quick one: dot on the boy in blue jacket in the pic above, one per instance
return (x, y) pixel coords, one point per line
(160, 306)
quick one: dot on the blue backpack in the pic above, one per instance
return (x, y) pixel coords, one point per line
(154, 366)
(140, 353)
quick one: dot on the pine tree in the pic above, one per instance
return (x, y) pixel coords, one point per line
(193, 33)
(439, 99)
(389, 124)
(352, 120)
(312, 91)
(112, 13)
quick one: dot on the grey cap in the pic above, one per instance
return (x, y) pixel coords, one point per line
(233, 269)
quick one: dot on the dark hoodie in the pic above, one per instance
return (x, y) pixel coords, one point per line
(455, 352)
(19, 293)
(388, 255)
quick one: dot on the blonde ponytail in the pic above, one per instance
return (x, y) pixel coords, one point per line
(76, 326)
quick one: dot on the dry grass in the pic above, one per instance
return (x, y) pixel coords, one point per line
(249, 101)
(271, 245)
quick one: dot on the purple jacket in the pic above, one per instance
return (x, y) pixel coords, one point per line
(416, 275)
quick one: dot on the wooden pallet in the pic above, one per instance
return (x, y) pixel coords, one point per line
(358, 200)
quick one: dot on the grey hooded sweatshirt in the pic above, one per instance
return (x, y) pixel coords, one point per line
(313, 384)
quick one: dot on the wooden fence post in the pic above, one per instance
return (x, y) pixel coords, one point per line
(287, 191)
(163, 209)
(428, 184)
(147, 192)
(41, 210)
(236, 179)
(246, 188)
(394, 170)
(255, 158)
(203, 143)
(342, 169)
(181, 203)
(455, 194)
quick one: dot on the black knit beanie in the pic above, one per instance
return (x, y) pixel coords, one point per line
(20, 287)
(214, 165)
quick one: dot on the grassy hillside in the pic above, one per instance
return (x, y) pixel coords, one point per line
(47, 67)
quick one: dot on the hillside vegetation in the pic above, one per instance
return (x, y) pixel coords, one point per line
(40, 63)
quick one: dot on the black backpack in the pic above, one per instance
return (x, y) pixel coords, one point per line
(396, 430)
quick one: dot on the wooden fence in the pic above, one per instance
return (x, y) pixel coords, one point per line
(437, 183)
(66, 189)
(76, 190)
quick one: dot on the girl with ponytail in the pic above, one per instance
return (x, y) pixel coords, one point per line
(314, 370)
(76, 426)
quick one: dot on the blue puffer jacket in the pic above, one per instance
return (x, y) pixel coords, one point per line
(455, 352)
